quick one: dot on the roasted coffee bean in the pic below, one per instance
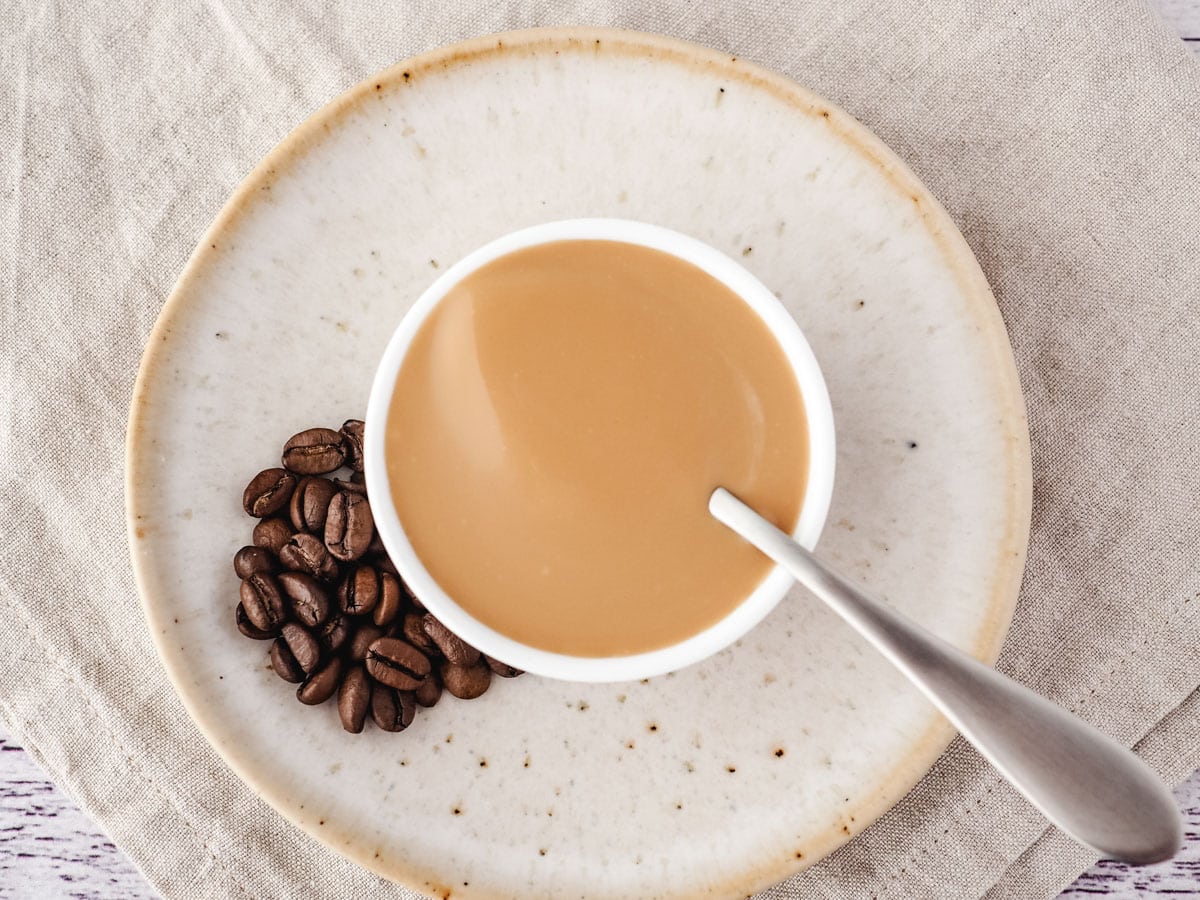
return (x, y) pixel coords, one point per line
(314, 451)
(387, 610)
(303, 645)
(352, 439)
(376, 548)
(454, 648)
(249, 560)
(246, 627)
(268, 492)
(397, 664)
(349, 526)
(363, 638)
(358, 591)
(394, 655)
(309, 599)
(392, 710)
(429, 691)
(412, 628)
(308, 554)
(384, 563)
(262, 601)
(504, 670)
(272, 534)
(310, 503)
(284, 663)
(354, 487)
(354, 698)
(332, 636)
(321, 684)
(410, 596)
(466, 682)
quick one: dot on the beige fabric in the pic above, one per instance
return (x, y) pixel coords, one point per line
(1063, 138)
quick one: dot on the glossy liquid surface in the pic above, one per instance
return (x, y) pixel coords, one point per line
(557, 427)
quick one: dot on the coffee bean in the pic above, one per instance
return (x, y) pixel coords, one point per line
(396, 664)
(314, 451)
(309, 600)
(504, 670)
(352, 439)
(363, 638)
(413, 630)
(262, 601)
(384, 563)
(412, 598)
(466, 682)
(284, 663)
(268, 492)
(358, 591)
(249, 560)
(392, 710)
(246, 627)
(394, 630)
(376, 548)
(321, 684)
(332, 636)
(375, 631)
(429, 691)
(272, 534)
(354, 487)
(454, 648)
(354, 697)
(310, 503)
(308, 554)
(349, 526)
(387, 610)
(303, 645)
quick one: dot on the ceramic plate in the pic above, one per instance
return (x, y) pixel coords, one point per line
(718, 779)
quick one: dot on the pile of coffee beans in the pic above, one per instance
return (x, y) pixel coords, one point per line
(318, 583)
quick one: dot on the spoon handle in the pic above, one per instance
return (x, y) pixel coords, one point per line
(1084, 782)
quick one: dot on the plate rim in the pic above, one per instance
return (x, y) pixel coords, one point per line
(904, 775)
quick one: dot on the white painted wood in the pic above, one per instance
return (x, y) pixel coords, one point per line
(48, 847)
(1184, 17)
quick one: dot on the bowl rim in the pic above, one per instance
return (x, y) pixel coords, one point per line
(749, 611)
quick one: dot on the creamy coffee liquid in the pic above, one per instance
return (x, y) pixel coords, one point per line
(557, 427)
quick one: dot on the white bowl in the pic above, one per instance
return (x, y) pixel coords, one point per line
(748, 613)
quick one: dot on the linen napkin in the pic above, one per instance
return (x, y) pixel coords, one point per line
(1063, 138)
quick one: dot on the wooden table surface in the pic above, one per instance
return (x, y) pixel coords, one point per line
(50, 849)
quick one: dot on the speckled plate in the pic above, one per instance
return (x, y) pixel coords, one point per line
(716, 780)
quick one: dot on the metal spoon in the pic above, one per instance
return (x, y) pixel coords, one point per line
(1084, 782)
